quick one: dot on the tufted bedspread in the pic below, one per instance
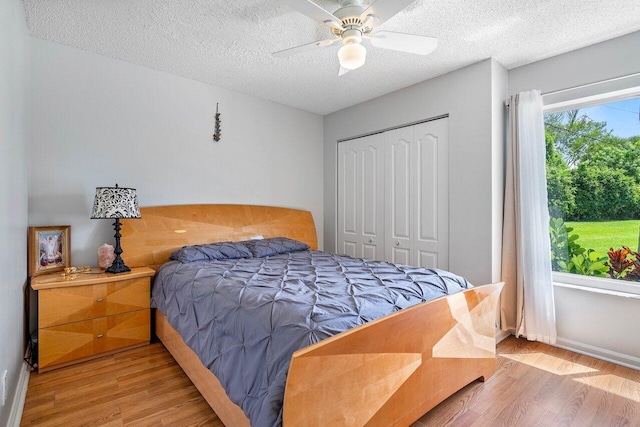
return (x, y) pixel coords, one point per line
(245, 317)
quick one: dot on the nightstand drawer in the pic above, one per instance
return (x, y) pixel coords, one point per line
(91, 315)
(70, 342)
(58, 306)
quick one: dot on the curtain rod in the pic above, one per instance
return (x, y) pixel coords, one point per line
(613, 79)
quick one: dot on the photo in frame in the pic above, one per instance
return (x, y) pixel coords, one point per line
(49, 249)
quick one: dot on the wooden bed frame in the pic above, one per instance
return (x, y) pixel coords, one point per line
(388, 372)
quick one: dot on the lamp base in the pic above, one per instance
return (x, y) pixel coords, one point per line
(118, 266)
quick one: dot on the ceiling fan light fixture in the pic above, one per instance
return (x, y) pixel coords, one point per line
(352, 56)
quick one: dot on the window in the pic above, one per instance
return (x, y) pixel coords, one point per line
(593, 183)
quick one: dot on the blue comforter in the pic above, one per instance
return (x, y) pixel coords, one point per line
(245, 317)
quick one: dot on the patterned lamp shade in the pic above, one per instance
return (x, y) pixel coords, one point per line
(115, 202)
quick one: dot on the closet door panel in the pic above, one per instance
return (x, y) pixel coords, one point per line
(347, 199)
(427, 259)
(430, 246)
(371, 252)
(401, 255)
(372, 197)
(349, 248)
(361, 197)
(427, 188)
(372, 213)
(398, 202)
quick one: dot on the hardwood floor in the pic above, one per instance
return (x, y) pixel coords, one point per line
(535, 385)
(539, 385)
(140, 387)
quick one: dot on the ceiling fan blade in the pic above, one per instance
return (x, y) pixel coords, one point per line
(315, 12)
(342, 71)
(410, 43)
(304, 48)
(382, 10)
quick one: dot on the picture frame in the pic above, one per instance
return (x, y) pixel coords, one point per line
(49, 249)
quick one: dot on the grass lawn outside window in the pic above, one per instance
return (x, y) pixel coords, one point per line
(603, 235)
(593, 186)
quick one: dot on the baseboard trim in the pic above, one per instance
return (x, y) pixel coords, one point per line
(501, 335)
(599, 353)
(15, 416)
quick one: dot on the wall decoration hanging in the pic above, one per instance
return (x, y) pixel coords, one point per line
(216, 129)
(49, 249)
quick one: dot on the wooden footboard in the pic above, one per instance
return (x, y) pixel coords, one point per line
(392, 371)
(388, 372)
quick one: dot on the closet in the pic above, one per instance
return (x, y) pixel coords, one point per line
(393, 195)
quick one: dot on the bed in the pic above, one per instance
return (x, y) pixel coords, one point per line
(389, 371)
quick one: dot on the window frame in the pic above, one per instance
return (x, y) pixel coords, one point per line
(601, 283)
(579, 97)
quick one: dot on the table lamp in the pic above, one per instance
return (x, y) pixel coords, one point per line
(115, 203)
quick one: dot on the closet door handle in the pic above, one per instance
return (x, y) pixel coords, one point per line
(397, 243)
(370, 240)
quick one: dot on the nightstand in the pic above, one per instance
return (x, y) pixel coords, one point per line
(92, 315)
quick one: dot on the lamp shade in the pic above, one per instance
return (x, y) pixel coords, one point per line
(352, 56)
(115, 202)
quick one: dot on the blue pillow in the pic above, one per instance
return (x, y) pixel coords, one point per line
(221, 250)
(274, 246)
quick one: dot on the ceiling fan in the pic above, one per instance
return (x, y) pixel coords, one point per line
(352, 23)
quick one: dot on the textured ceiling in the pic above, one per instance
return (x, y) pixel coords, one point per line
(229, 43)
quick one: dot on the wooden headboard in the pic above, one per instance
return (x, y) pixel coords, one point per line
(149, 241)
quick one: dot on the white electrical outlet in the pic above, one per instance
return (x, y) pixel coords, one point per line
(4, 387)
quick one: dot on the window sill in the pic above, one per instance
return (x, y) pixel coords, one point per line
(597, 291)
(613, 287)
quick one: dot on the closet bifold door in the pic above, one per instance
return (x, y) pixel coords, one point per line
(399, 188)
(361, 197)
(430, 158)
(417, 195)
(393, 195)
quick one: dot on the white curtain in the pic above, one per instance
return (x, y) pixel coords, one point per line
(527, 306)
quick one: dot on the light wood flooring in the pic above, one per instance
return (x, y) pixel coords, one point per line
(535, 385)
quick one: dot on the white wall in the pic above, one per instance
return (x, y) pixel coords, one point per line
(500, 90)
(467, 96)
(98, 121)
(603, 325)
(14, 135)
(593, 323)
(613, 58)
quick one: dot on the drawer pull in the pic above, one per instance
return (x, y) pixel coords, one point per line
(100, 335)
(100, 300)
